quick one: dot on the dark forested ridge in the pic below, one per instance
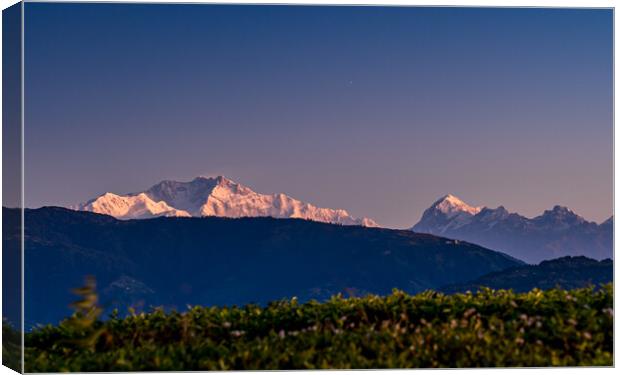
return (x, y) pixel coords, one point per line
(175, 262)
(566, 273)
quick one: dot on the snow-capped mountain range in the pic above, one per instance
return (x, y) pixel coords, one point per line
(213, 196)
(556, 232)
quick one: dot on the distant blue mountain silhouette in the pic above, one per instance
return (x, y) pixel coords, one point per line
(557, 232)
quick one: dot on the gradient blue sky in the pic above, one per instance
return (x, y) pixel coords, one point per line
(376, 110)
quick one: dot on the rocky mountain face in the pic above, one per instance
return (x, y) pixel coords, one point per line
(555, 233)
(213, 196)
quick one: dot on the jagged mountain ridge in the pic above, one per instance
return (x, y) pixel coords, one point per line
(213, 196)
(555, 233)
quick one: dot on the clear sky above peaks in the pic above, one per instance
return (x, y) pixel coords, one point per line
(376, 110)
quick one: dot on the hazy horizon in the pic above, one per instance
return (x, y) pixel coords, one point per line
(376, 110)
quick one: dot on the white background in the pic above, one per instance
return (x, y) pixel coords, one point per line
(539, 3)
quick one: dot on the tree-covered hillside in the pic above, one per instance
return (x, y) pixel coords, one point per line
(175, 262)
(566, 273)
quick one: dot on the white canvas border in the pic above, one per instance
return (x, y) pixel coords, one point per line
(476, 3)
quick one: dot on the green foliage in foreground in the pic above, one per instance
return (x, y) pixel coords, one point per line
(11, 347)
(551, 328)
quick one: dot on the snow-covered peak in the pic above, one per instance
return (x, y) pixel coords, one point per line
(560, 209)
(498, 213)
(214, 196)
(138, 206)
(447, 213)
(217, 180)
(451, 206)
(559, 213)
(559, 217)
(557, 231)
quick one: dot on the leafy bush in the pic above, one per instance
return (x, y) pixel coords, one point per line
(11, 346)
(490, 328)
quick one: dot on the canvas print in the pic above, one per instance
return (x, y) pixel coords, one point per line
(195, 187)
